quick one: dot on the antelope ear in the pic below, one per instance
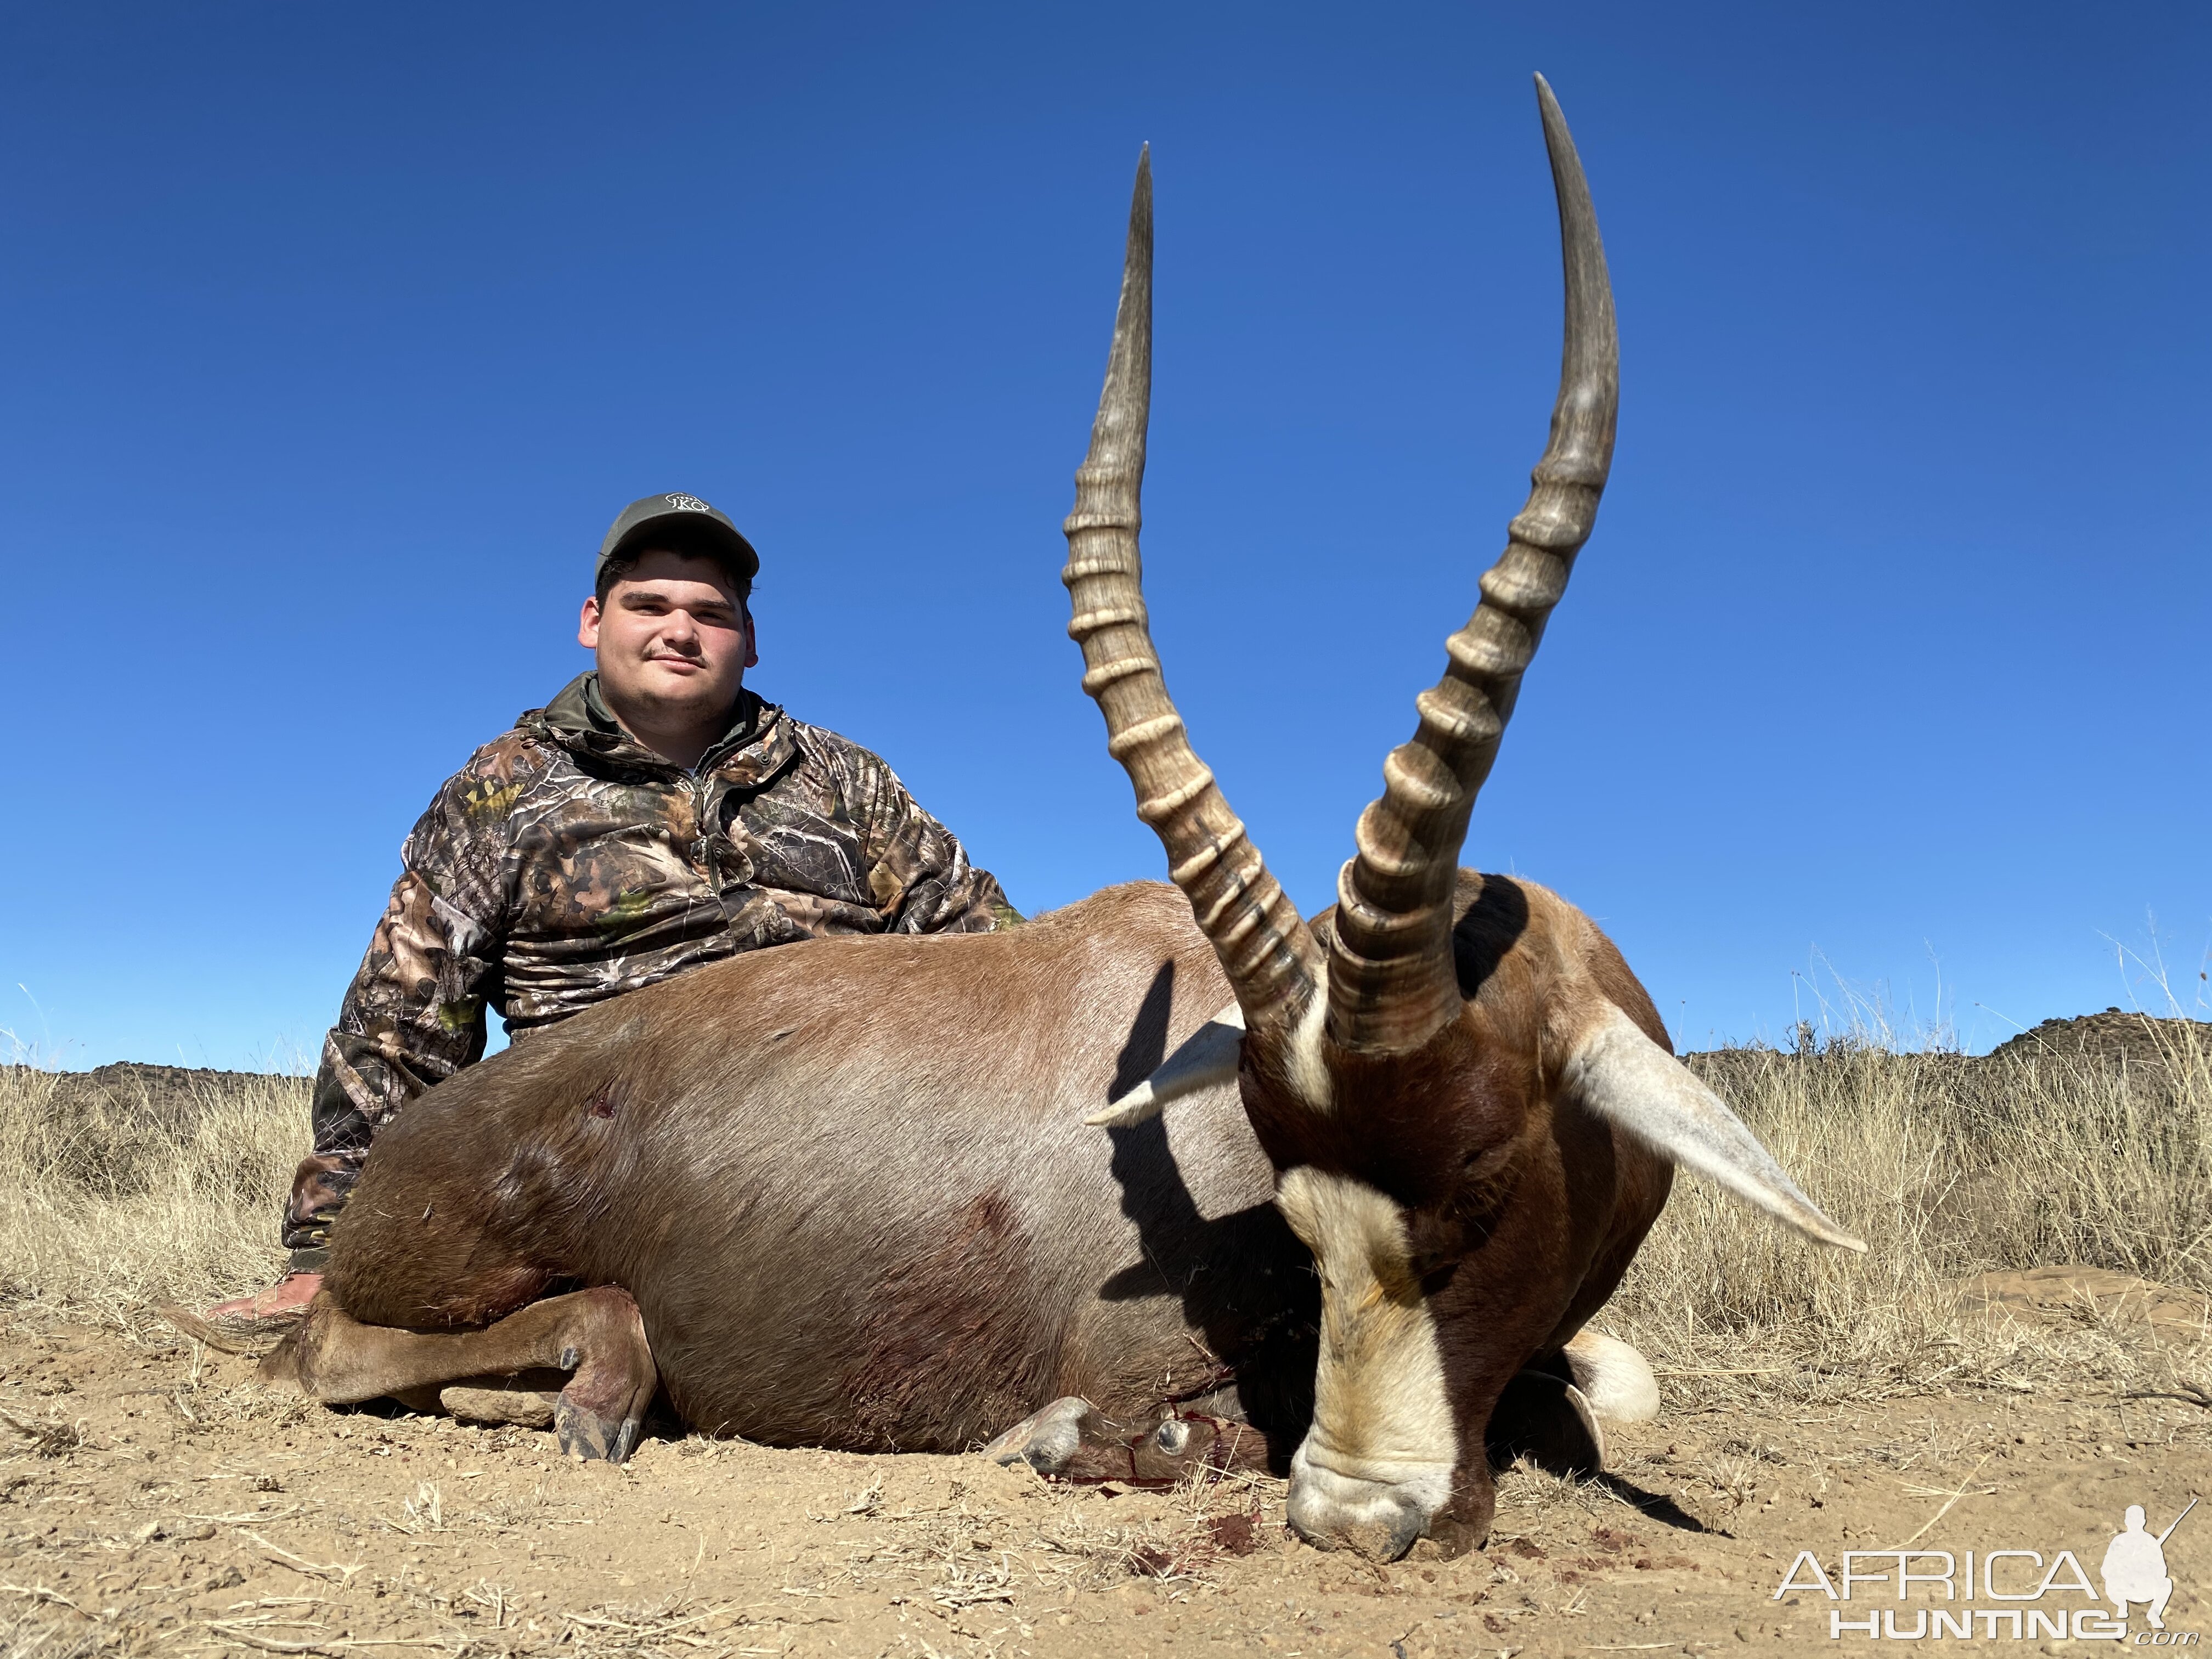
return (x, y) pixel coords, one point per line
(1635, 1085)
(1208, 1056)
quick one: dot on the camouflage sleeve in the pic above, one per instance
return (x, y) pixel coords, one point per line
(415, 1013)
(919, 872)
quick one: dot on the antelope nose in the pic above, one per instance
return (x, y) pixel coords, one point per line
(1379, 1520)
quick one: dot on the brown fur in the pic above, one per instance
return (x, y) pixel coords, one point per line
(942, 1306)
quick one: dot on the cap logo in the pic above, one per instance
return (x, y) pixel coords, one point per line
(687, 504)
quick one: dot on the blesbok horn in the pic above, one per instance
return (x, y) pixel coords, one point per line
(1272, 960)
(1625, 1078)
(1391, 983)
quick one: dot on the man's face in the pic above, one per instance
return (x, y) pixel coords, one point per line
(673, 641)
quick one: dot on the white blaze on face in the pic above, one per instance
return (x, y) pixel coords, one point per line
(1383, 1442)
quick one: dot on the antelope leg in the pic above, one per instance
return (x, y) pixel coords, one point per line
(1613, 1376)
(1071, 1439)
(595, 1336)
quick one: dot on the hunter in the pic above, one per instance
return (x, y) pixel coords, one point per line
(655, 816)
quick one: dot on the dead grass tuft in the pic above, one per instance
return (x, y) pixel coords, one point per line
(48, 1439)
(35, 1621)
(121, 1194)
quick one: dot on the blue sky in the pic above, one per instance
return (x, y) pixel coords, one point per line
(334, 336)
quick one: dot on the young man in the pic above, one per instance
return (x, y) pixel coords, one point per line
(655, 816)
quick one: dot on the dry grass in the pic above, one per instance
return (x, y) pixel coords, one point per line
(1947, 1166)
(131, 1194)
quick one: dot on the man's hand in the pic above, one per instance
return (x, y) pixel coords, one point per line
(279, 1306)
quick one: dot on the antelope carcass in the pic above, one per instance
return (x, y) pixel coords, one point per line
(854, 1193)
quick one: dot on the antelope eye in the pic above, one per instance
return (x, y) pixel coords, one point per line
(1485, 1162)
(1432, 1268)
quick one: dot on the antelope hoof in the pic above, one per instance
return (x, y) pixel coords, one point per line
(1072, 1440)
(584, 1433)
(600, 1411)
(1546, 1420)
(1047, 1440)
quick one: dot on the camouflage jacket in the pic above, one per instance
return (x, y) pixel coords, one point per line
(567, 863)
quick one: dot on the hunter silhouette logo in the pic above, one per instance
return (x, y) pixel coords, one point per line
(2023, 1591)
(2134, 1568)
(689, 504)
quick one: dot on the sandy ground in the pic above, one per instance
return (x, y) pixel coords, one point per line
(154, 1499)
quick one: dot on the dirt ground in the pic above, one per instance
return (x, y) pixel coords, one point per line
(155, 1499)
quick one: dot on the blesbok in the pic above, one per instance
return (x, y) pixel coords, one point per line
(844, 1194)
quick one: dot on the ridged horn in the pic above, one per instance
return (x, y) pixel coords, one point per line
(1391, 983)
(1271, 959)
